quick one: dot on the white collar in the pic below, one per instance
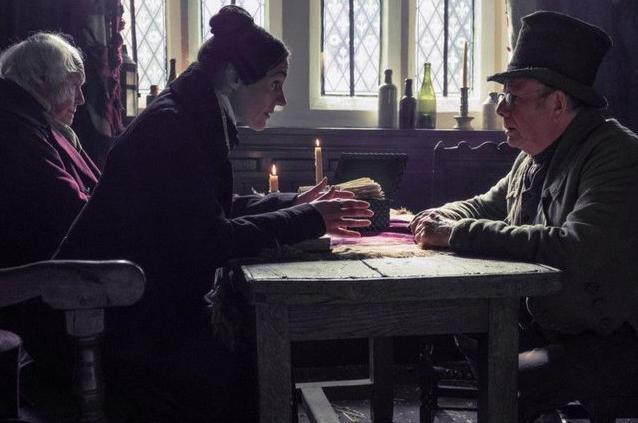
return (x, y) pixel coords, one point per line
(225, 109)
(225, 106)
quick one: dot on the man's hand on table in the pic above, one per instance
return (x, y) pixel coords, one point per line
(340, 214)
(317, 193)
(431, 229)
(422, 214)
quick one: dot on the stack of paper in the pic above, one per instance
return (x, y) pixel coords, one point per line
(363, 188)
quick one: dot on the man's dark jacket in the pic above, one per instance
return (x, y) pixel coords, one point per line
(585, 224)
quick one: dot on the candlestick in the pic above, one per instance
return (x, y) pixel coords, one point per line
(464, 68)
(318, 162)
(463, 121)
(273, 180)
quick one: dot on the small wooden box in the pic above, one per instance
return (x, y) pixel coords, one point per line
(384, 168)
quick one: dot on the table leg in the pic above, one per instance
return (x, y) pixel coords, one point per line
(273, 363)
(381, 361)
(498, 352)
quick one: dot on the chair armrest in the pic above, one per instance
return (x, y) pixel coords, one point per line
(73, 284)
(82, 289)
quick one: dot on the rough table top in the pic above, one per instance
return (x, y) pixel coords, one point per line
(439, 275)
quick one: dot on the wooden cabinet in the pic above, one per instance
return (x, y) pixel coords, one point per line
(291, 149)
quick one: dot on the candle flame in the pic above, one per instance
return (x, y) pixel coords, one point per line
(274, 170)
(317, 143)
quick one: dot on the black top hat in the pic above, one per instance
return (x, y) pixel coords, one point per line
(559, 51)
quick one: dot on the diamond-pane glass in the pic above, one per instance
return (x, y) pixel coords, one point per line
(337, 58)
(367, 30)
(431, 43)
(460, 29)
(336, 47)
(257, 8)
(150, 32)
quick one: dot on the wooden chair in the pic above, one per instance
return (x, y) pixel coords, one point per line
(82, 290)
(462, 171)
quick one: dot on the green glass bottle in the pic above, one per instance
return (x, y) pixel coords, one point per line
(426, 101)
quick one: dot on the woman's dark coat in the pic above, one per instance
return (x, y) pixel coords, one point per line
(165, 202)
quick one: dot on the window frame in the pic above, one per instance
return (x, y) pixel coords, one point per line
(306, 106)
(184, 37)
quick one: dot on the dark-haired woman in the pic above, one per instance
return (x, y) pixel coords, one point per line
(165, 202)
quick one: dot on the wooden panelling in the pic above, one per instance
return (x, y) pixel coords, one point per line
(291, 149)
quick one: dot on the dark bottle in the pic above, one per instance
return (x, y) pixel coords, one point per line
(387, 110)
(407, 107)
(171, 74)
(152, 95)
(426, 102)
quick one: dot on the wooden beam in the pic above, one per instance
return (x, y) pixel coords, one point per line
(317, 405)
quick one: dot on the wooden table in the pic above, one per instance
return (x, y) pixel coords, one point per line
(385, 297)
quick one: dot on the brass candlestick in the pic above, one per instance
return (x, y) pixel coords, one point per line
(463, 121)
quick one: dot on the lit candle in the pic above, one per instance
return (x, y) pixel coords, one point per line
(273, 180)
(318, 162)
(464, 69)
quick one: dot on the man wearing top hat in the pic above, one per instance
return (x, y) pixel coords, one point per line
(569, 201)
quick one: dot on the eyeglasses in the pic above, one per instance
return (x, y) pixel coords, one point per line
(510, 99)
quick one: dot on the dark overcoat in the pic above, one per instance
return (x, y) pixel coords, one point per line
(585, 224)
(44, 180)
(165, 201)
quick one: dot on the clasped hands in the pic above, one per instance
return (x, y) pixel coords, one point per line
(431, 229)
(338, 208)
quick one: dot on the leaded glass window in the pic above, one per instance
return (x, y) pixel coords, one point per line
(351, 47)
(442, 27)
(256, 8)
(150, 37)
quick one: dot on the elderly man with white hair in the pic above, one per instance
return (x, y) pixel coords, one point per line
(45, 176)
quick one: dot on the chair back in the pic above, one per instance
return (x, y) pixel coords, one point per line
(462, 171)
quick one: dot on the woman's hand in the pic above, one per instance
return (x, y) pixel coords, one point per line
(316, 193)
(340, 214)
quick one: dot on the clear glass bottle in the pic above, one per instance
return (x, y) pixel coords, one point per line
(490, 118)
(407, 107)
(387, 111)
(426, 102)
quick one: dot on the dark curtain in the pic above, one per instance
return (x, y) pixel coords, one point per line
(95, 26)
(618, 74)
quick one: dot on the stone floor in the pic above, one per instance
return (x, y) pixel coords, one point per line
(406, 407)
(407, 411)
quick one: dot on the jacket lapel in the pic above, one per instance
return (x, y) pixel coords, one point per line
(583, 124)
